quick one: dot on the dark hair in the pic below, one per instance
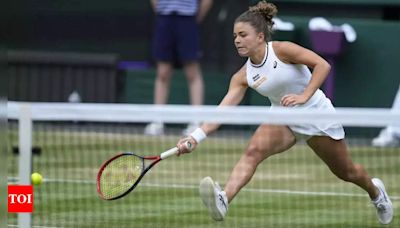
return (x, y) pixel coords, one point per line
(260, 17)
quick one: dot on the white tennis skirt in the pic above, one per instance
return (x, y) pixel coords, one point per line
(305, 131)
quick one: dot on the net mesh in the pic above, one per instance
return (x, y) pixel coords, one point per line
(291, 189)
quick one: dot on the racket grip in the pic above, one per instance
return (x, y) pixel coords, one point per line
(169, 153)
(173, 151)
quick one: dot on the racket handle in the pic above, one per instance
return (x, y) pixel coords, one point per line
(173, 151)
(169, 153)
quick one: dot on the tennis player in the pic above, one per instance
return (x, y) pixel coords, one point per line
(280, 71)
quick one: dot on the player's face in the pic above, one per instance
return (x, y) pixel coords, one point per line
(246, 39)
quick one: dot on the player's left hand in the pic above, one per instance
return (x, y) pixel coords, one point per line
(183, 146)
(293, 99)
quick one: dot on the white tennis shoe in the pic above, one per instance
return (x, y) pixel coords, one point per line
(383, 205)
(154, 129)
(213, 198)
(386, 138)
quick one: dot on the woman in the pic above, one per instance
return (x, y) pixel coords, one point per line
(279, 71)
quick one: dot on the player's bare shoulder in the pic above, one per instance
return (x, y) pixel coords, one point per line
(282, 44)
(284, 49)
(281, 47)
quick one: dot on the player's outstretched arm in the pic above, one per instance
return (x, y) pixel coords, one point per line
(235, 94)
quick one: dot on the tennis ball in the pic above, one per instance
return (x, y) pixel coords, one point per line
(36, 178)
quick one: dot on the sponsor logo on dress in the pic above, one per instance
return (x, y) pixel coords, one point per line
(259, 80)
(256, 77)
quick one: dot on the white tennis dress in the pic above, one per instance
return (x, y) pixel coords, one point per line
(275, 79)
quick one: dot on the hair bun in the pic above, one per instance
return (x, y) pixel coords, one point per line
(267, 10)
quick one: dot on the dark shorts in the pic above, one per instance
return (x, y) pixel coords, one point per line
(176, 38)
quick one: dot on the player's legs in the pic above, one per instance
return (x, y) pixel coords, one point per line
(335, 154)
(266, 141)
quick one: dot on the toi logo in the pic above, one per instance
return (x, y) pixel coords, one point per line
(20, 198)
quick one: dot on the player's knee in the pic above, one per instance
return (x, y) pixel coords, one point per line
(254, 154)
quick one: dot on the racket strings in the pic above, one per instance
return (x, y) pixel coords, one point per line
(120, 175)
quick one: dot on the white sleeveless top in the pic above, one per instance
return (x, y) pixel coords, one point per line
(274, 79)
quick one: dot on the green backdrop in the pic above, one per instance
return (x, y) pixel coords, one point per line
(367, 74)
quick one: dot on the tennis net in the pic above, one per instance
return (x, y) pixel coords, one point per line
(69, 142)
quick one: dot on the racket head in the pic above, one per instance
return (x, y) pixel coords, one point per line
(119, 175)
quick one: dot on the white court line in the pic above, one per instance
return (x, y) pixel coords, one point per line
(11, 225)
(258, 190)
(282, 191)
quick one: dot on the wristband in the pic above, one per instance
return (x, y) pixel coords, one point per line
(198, 135)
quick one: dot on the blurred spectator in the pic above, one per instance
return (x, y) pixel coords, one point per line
(389, 136)
(176, 39)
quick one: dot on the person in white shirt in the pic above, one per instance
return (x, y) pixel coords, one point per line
(279, 71)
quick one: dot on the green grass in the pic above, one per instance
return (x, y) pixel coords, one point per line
(293, 189)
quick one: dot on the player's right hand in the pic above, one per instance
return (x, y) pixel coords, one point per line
(186, 145)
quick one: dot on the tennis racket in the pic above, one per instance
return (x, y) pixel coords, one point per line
(120, 174)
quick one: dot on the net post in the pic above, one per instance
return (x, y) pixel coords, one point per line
(25, 157)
